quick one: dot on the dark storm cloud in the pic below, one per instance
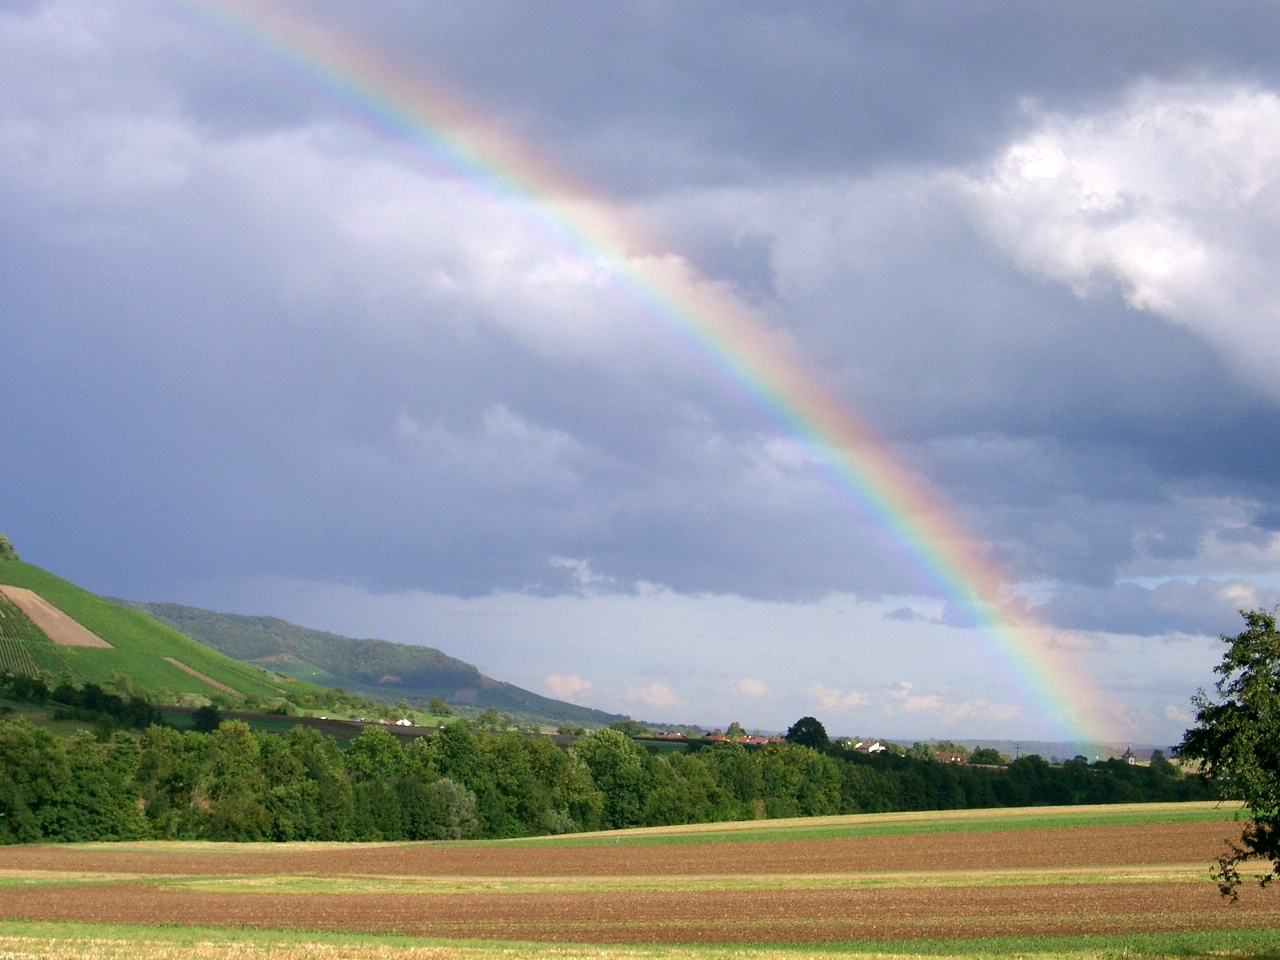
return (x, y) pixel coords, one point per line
(239, 338)
(648, 94)
(1178, 606)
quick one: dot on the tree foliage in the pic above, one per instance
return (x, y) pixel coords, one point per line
(988, 756)
(464, 781)
(809, 732)
(1237, 739)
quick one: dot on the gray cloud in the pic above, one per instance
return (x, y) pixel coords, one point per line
(649, 94)
(244, 338)
(1202, 607)
(1268, 519)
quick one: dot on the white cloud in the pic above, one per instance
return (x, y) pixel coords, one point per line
(655, 695)
(581, 572)
(1174, 196)
(755, 689)
(838, 700)
(908, 701)
(1176, 715)
(904, 699)
(567, 687)
(981, 710)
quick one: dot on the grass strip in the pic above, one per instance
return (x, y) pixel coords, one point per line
(885, 825)
(755, 831)
(1189, 873)
(81, 941)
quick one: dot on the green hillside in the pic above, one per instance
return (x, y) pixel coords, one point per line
(375, 668)
(139, 643)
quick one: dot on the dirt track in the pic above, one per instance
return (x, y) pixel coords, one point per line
(57, 626)
(773, 916)
(1174, 843)
(198, 675)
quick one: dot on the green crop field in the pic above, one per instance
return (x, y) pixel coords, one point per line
(901, 824)
(139, 643)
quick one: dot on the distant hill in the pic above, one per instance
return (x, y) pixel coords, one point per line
(151, 654)
(375, 668)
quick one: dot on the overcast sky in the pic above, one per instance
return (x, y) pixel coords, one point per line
(256, 357)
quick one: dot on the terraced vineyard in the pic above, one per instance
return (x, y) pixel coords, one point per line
(16, 659)
(24, 649)
(139, 647)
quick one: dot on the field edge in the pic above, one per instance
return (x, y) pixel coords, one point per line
(1244, 944)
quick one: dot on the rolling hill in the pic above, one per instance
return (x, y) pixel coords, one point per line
(51, 624)
(151, 654)
(374, 668)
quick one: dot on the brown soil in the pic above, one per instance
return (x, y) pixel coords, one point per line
(198, 675)
(761, 917)
(57, 626)
(1152, 844)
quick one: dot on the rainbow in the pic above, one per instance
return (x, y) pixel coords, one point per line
(713, 327)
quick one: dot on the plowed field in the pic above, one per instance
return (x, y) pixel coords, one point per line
(1124, 878)
(1130, 845)
(756, 917)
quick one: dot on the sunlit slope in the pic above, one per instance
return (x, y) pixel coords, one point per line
(139, 643)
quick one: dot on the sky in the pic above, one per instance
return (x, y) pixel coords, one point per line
(259, 357)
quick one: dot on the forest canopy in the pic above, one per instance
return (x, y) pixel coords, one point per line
(237, 784)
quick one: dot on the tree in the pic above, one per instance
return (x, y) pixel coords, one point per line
(951, 747)
(735, 732)
(630, 728)
(205, 720)
(799, 782)
(6, 549)
(986, 756)
(234, 786)
(1237, 739)
(35, 769)
(620, 769)
(450, 811)
(438, 708)
(808, 732)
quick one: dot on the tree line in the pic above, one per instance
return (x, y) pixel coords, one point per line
(235, 784)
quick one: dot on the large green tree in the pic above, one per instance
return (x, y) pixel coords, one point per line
(621, 771)
(809, 732)
(1236, 739)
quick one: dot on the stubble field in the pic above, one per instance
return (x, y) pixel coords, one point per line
(869, 884)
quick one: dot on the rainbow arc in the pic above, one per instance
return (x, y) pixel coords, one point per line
(434, 129)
